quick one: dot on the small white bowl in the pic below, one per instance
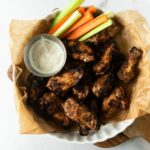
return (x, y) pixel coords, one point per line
(27, 50)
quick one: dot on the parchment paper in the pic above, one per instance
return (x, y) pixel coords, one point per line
(135, 33)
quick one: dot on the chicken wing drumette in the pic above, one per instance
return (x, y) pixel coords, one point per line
(103, 85)
(80, 51)
(105, 35)
(50, 106)
(65, 80)
(128, 69)
(80, 114)
(103, 65)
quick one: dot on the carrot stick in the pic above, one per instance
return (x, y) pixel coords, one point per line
(57, 26)
(81, 10)
(86, 18)
(91, 9)
(87, 27)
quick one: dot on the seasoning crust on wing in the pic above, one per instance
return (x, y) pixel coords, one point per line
(37, 88)
(116, 99)
(103, 65)
(103, 85)
(65, 81)
(52, 106)
(80, 114)
(128, 69)
(80, 51)
(116, 102)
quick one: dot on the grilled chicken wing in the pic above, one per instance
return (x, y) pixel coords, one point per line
(51, 105)
(65, 81)
(80, 114)
(105, 35)
(34, 94)
(80, 51)
(103, 85)
(116, 99)
(104, 64)
(37, 88)
(127, 70)
(113, 104)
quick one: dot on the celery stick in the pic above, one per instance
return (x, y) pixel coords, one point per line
(96, 30)
(74, 17)
(67, 11)
(109, 14)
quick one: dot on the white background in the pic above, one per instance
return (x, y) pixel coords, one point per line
(9, 130)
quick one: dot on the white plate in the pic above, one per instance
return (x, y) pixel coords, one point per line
(110, 130)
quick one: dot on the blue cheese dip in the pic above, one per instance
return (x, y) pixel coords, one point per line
(46, 57)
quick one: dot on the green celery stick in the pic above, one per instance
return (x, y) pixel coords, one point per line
(68, 10)
(96, 30)
(74, 17)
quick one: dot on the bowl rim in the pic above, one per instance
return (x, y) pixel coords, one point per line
(118, 127)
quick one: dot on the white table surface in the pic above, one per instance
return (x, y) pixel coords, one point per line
(9, 130)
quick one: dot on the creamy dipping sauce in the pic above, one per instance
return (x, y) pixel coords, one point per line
(46, 56)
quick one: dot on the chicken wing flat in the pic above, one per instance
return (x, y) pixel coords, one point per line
(103, 85)
(80, 114)
(117, 99)
(51, 105)
(80, 51)
(103, 65)
(65, 81)
(105, 35)
(127, 70)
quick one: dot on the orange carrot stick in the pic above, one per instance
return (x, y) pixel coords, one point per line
(86, 18)
(58, 25)
(91, 9)
(87, 27)
(81, 10)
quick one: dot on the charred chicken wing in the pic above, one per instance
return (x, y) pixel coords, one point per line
(104, 64)
(127, 70)
(117, 99)
(64, 81)
(103, 85)
(80, 51)
(52, 106)
(113, 104)
(37, 88)
(80, 114)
